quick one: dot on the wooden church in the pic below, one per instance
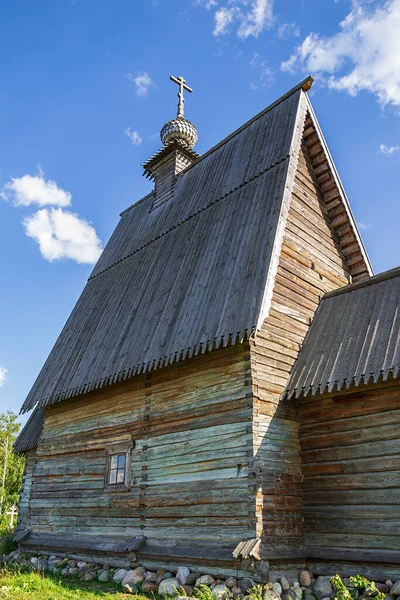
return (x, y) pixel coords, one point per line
(225, 393)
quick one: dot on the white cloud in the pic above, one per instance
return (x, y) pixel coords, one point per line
(34, 189)
(288, 29)
(363, 55)
(265, 74)
(388, 150)
(63, 234)
(251, 17)
(364, 226)
(143, 83)
(3, 373)
(208, 4)
(223, 18)
(133, 136)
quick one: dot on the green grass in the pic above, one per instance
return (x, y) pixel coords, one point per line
(30, 585)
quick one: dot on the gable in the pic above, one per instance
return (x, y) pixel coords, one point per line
(192, 275)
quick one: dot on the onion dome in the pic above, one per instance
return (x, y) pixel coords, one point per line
(179, 130)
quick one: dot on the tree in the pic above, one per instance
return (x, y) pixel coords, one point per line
(11, 465)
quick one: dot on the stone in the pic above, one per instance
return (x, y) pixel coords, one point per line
(308, 595)
(64, 571)
(246, 584)
(82, 571)
(389, 583)
(104, 576)
(305, 578)
(119, 575)
(34, 561)
(188, 589)
(129, 588)
(382, 587)
(277, 588)
(169, 586)
(160, 572)
(152, 577)
(73, 571)
(220, 592)
(134, 576)
(296, 584)
(72, 563)
(61, 563)
(231, 582)
(270, 595)
(289, 595)
(395, 589)
(80, 564)
(322, 587)
(297, 591)
(192, 578)
(205, 580)
(88, 577)
(43, 564)
(285, 584)
(236, 590)
(149, 586)
(182, 574)
(165, 575)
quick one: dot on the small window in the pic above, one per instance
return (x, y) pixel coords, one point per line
(118, 466)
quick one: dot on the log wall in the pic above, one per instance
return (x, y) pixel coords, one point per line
(191, 424)
(350, 447)
(311, 263)
(23, 504)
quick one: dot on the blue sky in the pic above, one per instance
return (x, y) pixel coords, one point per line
(85, 91)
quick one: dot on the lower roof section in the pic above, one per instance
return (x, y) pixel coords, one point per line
(354, 338)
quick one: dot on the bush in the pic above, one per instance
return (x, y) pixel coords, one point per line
(7, 543)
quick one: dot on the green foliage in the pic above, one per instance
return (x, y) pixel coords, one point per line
(256, 592)
(358, 582)
(202, 592)
(11, 465)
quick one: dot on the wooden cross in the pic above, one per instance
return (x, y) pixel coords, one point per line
(182, 86)
(12, 512)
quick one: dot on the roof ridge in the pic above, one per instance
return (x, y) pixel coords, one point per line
(191, 216)
(385, 275)
(304, 85)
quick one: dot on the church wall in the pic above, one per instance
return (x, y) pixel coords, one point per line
(23, 504)
(350, 448)
(191, 424)
(310, 264)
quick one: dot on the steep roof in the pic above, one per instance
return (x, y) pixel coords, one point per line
(195, 273)
(354, 338)
(29, 436)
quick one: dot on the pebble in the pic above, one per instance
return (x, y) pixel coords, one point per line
(285, 584)
(305, 578)
(188, 589)
(42, 564)
(134, 576)
(192, 578)
(277, 588)
(88, 577)
(149, 586)
(322, 587)
(246, 583)
(119, 575)
(169, 586)
(395, 589)
(104, 576)
(205, 580)
(289, 595)
(236, 590)
(80, 564)
(231, 582)
(221, 592)
(183, 574)
(129, 588)
(152, 577)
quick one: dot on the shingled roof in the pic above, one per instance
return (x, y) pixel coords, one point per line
(194, 273)
(354, 338)
(29, 437)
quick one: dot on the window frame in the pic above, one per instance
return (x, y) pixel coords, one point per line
(119, 448)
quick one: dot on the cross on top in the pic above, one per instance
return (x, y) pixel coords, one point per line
(182, 86)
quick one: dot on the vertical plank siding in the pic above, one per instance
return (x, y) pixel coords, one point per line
(191, 424)
(311, 263)
(350, 448)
